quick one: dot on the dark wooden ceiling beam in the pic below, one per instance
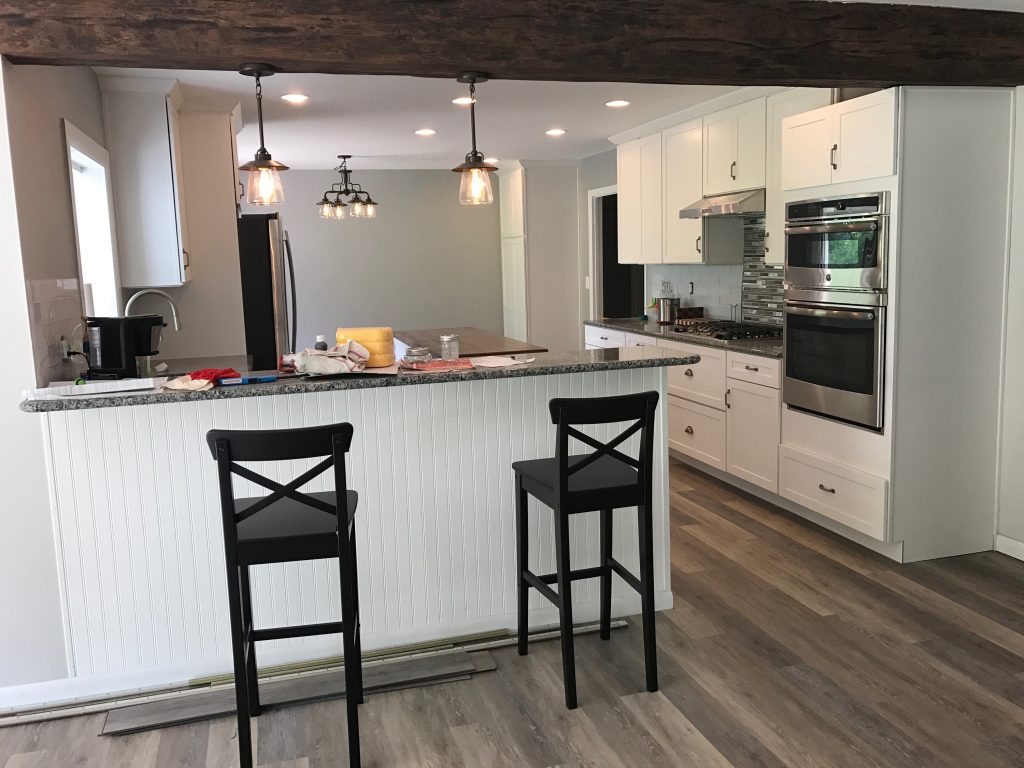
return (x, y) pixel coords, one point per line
(732, 42)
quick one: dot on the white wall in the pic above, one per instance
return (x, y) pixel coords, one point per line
(31, 630)
(1011, 478)
(37, 100)
(425, 262)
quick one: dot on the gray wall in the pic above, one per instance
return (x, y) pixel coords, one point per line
(595, 172)
(425, 262)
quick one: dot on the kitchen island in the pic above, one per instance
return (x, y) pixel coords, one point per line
(137, 519)
(473, 342)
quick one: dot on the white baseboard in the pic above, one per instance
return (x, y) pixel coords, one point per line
(1009, 546)
(77, 691)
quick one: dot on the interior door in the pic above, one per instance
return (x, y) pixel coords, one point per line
(683, 148)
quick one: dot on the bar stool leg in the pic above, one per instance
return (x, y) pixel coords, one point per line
(251, 675)
(241, 678)
(647, 595)
(563, 568)
(522, 559)
(606, 574)
(352, 693)
(357, 644)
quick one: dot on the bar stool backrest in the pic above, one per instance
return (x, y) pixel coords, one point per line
(231, 446)
(566, 413)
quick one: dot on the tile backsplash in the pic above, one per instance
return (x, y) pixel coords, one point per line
(751, 292)
(55, 310)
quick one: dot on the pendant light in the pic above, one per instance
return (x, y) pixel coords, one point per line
(475, 186)
(263, 186)
(332, 205)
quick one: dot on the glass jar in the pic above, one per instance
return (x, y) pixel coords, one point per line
(417, 355)
(449, 347)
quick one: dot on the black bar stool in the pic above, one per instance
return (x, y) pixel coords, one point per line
(604, 480)
(285, 526)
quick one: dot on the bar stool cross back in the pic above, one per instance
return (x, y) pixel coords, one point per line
(603, 481)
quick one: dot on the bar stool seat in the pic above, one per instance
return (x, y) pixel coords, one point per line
(290, 530)
(602, 483)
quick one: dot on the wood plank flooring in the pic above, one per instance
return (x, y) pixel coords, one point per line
(787, 646)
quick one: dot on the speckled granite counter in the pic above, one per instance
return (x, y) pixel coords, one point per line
(543, 365)
(762, 347)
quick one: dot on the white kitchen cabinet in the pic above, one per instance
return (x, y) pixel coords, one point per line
(141, 117)
(597, 337)
(510, 197)
(853, 140)
(792, 101)
(640, 201)
(756, 369)
(697, 431)
(754, 424)
(734, 148)
(684, 156)
(702, 382)
(513, 287)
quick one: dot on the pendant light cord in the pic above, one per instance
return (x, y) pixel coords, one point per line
(259, 111)
(472, 112)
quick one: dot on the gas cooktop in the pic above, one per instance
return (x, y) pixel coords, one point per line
(728, 330)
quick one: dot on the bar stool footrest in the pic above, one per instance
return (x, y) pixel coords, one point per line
(297, 630)
(627, 577)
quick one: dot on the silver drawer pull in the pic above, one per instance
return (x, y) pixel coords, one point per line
(603, 338)
(688, 430)
(753, 368)
(826, 490)
(688, 372)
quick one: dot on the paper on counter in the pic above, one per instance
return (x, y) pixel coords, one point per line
(497, 361)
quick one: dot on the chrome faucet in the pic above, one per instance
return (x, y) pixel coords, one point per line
(174, 307)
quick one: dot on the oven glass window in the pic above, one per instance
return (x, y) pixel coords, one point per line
(832, 250)
(831, 352)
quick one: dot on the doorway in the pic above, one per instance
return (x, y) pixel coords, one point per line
(616, 290)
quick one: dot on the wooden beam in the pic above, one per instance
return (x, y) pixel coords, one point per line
(734, 42)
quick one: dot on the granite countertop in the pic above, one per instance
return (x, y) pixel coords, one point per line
(763, 347)
(546, 364)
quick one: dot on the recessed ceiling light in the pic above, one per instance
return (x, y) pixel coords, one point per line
(555, 132)
(425, 132)
(295, 98)
(491, 160)
(617, 103)
(463, 101)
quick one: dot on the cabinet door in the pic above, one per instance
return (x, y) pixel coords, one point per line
(697, 431)
(629, 202)
(779, 106)
(750, 146)
(753, 419)
(864, 132)
(719, 152)
(807, 149)
(702, 382)
(174, 133)
(651, 237)
(513, 286)
(684, 157)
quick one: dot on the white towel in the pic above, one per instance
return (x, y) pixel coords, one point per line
(349, 357)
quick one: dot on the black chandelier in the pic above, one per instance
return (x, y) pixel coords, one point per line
(333, 203)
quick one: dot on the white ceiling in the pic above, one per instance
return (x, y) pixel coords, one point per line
(374, 118)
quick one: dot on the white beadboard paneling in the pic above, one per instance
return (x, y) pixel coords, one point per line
(139, 522)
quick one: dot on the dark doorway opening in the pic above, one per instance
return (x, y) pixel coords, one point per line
(621, 285)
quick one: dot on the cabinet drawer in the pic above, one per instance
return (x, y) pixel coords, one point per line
(765, 371)
(703, 382)
(848, 496)
(604, 337)
(639, 340)
(697, 431)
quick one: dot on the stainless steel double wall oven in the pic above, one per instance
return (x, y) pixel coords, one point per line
(835, 307)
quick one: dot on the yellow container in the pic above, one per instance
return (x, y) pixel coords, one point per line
(379, 342)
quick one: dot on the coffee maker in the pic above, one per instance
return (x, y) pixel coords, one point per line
(117, 343)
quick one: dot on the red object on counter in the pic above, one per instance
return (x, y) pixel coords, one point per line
(212, 374)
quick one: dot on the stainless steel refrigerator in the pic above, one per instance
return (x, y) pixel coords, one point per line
(268, 288)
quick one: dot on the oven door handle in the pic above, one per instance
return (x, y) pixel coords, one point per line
(824, 229)
(839, 314)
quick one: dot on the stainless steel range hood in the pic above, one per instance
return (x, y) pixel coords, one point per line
(746, 203)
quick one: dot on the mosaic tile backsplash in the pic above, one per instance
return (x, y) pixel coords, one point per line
(751, 292)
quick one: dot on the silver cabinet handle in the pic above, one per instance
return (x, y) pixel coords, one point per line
(688, 372)
(753, 368)
(603, 338)
(184, 258)
(698, 243)
(766, 248)
(727, 403)
(241, 190)
(732, 170)
(826, 490)
(688, 430)
(832, 157)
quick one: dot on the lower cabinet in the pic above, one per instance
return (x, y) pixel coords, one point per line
(697, 431)
(754, 424)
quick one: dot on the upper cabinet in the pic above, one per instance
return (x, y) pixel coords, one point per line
(734, 148)
(849, 141)
(683, 150)
(793, 101)
(141, 117)
(640, 200)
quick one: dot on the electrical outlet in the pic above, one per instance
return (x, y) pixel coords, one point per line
(65, 349)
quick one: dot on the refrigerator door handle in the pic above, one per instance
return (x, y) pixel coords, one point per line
(292, 303)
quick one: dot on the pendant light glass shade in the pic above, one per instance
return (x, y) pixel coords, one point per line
(370, 209)
(263, 187)
(475, 184)
(358, 209)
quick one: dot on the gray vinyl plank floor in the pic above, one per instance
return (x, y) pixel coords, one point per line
(786, 646)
